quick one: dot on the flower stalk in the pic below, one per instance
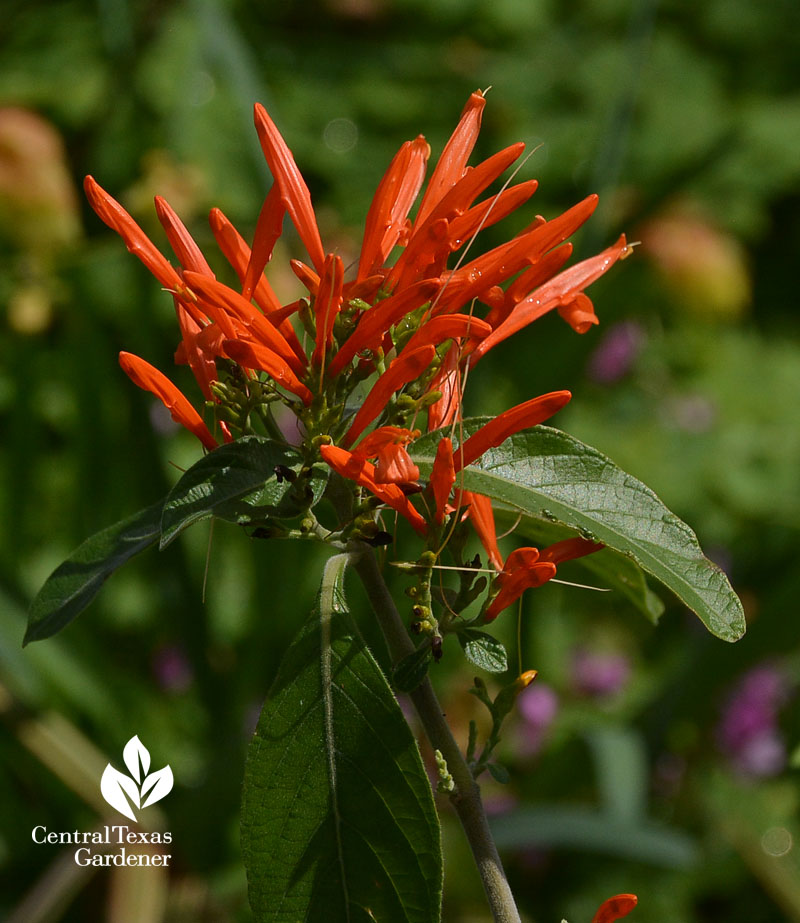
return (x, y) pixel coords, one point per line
(466, 797)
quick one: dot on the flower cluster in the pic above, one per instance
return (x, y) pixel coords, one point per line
(376, 352)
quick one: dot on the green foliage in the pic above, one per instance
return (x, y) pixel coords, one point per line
(250, 481)
(75, 583)
(547, 474)
(338, 818)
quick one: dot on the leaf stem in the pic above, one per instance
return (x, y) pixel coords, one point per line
(466, 798)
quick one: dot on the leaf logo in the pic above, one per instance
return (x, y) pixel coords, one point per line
(141, 788)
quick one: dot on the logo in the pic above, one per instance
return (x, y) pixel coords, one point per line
(141, 788)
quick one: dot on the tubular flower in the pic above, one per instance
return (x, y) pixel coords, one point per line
(393, 465)
(615, 908)
(526, 568)
(523, 416)
(148, 378)
(388, 343)
(357, 469)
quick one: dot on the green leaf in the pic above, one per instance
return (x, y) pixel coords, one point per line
(239, 482)
(412, 669)
(338, 820)
(75, 583)
(590, 830)
(499, 773)
(548, 475)
(483, 650)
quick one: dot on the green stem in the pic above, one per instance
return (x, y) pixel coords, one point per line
(466, 798)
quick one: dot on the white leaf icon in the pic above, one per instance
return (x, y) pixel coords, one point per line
(137, 758)
(114, 785)
(158, 784)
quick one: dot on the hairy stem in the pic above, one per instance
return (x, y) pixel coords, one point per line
(466, 798)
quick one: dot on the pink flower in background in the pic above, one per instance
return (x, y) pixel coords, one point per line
(537, 707)
(599, 673)
(616, 353)
(748, 732)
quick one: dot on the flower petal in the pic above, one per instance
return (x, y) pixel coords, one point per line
(137, 242)
(362, 473)
(523, 416)
(391, 204)
(401, 371)
(149, 378)
(257, 356)
(294, 192)
(183, 244)
(615, 908)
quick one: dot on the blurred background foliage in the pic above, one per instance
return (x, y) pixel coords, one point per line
(654, 760)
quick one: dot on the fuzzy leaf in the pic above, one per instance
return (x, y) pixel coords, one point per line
(338, 821)
(240, 482)
(483, 650)
(76, 582)
(548, 475)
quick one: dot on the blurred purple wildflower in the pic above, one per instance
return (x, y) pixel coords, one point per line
(748, 732)
(537, 706)
(618, 349)
(172, 669)
(599, 673)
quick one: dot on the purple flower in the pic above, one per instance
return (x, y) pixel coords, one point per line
(617, 351)
(748, 732)
(172, 669)
(537, 706)
(599, 673)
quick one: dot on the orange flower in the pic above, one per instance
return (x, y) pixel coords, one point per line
(357, 469)
(294, 193)
(387, 215)
(393, 465)
(560, 292)
(407, 367)
(615, 908)
(443, 476)
(496, 431)
(526, 568)
(148, 378)
(137, 242)
(479, 512)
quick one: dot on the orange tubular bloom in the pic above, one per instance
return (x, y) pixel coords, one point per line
(448, 327)
(357, 469)
(523, 416)
(256, 356)
(216, 299)
(522, 571)
(498, 264)
(268, 230)
(479, 511)
(453, 161)
(377, 320)
(615, 908)
(401, 371)
(560, 292)
(238, 254)
(447, 383)
(294, 193)
(327, 305)
(138, 243)
(431, 241)
(148, 378)
(388, 444)
(527, 568)
(183, 244)
(443, 476)
(386, 219)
